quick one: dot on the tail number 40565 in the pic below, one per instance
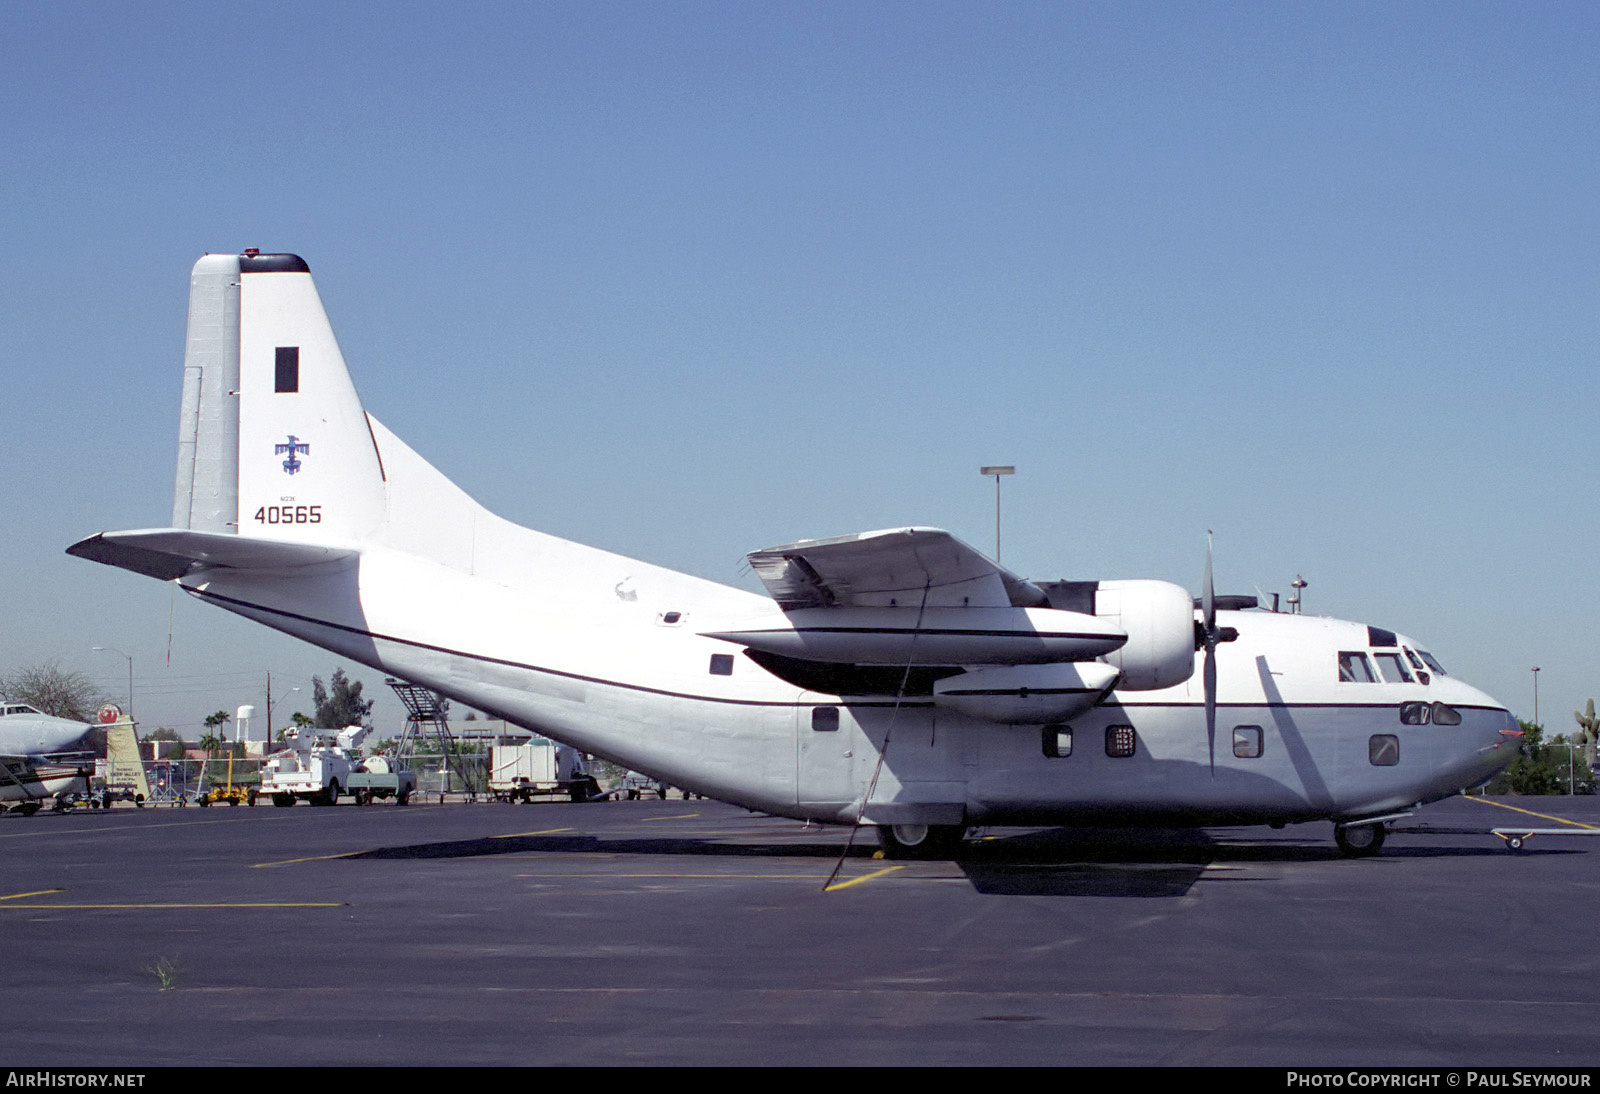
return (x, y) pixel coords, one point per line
(289, 514)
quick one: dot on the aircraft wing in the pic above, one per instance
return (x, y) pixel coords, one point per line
(893, 567)
(170, 553)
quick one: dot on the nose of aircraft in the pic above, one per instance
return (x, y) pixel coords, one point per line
(1495, 729)
(65, 736)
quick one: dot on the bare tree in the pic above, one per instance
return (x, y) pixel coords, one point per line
(56, 691)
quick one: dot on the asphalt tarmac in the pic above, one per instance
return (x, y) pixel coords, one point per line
(690, 932)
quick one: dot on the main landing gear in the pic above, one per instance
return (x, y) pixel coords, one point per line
(1359, 840)
(921, 841)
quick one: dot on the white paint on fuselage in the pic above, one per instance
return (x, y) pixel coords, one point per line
(25, 731)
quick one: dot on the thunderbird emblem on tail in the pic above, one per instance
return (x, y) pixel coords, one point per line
(293, 448)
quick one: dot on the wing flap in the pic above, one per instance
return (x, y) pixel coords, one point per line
(896, 567)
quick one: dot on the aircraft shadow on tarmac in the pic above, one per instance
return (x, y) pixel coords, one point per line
(1121, 862)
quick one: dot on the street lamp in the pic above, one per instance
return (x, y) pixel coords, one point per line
(129, 656)
(271, 703)
(1536, 695)
(997, 471)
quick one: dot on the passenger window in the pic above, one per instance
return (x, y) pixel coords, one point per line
(1414, 714)
(722, 664)
(1057, 741)
(1392, 668)
(1121, 741)
(1383, 750)
(825, 719)
(1354, 668)
(1247, 742)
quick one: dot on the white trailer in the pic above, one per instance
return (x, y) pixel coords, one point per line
(539, 767)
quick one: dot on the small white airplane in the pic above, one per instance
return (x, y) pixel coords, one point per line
(895, 678)
(27, 776)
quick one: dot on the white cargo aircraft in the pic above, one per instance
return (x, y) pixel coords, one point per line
(895, 678)
(27, 777)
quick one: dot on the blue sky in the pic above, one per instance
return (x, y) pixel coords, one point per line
(684, 280)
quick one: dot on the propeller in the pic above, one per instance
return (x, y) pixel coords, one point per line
(1208, 638)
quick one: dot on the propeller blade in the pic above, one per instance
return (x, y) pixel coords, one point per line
(1211, 705)
(1208, 612)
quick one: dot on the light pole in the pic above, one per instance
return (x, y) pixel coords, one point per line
(997, 471)
(1536, 695)
(270, 704)
(129, 656)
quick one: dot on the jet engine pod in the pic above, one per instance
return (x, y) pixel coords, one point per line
(937, 636)
(1026, 694)
(1159, 619)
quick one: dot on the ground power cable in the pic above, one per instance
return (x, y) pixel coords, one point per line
(877, 769)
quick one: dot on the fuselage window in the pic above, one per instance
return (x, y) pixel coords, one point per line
(1121, 741)
(1354, 668)
(1383, 750)
(1247, 742)
(1057, 741)
(1392, 668)
(1444, 715)
(722, 664)
(825, 719)
(1414, 714)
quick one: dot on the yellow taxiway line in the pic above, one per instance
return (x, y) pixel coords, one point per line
(168, 907)
(1531, 813)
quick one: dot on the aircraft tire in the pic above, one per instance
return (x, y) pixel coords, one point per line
(921, 841)
(1359, 840)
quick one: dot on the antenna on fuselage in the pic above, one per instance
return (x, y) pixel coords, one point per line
(1294, 598)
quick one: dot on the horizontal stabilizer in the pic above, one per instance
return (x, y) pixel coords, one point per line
(171, 553)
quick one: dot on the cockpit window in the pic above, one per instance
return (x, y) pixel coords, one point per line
(1392, 668)
(1446, 715)
(1354, 668)
(1432, 663)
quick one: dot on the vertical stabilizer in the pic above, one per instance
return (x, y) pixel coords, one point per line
(273, 442)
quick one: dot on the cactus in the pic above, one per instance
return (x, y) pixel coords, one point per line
(1590, 726)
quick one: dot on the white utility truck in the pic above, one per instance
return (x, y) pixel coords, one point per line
(319, 771)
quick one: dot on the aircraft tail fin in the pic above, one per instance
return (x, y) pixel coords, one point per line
(273, 440)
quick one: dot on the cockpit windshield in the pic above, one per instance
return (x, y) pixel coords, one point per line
(1432, 663)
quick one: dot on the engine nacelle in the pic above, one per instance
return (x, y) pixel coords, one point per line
(1158, 618)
